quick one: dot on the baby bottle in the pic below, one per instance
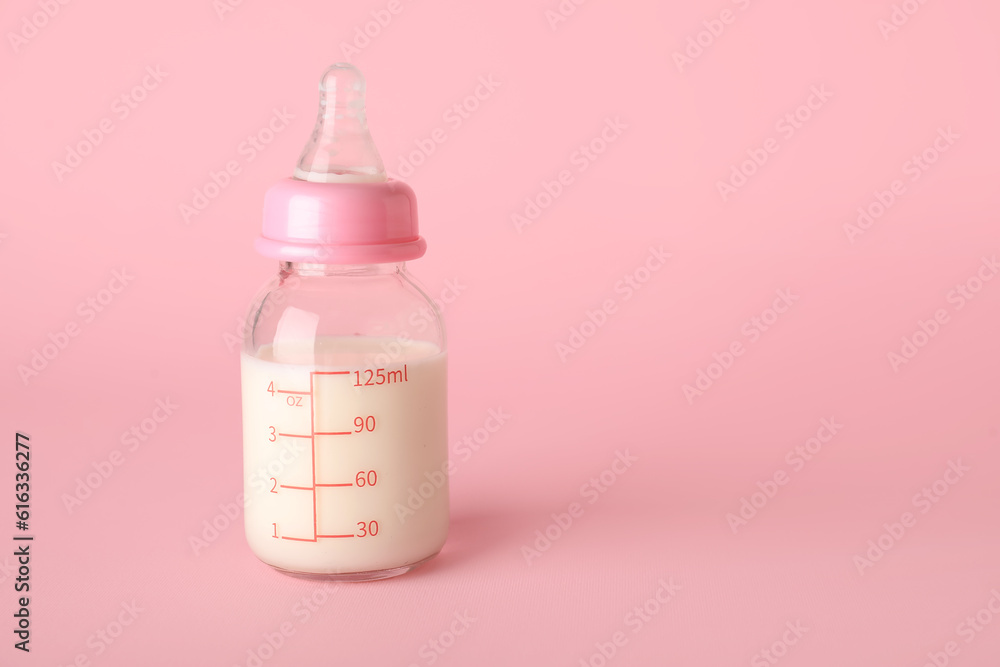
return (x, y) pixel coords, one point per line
(343, 366)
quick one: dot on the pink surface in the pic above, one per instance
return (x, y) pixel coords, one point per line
(788, 208)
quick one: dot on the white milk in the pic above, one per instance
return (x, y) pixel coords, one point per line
(339, 496)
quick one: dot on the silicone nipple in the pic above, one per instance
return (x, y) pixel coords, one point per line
(341, 149)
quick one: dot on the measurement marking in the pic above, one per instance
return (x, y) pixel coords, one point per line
(348, 484)
(302, 488)
(334, 433)
(298, 539)
(331, 373)
(297, 393)
(312, 431)
(334, 536)
(293, 435)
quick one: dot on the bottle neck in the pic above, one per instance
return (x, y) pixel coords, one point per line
(307, 269)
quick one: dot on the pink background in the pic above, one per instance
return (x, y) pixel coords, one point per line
(165, 334)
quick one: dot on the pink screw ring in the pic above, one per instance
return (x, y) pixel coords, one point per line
(340, 223)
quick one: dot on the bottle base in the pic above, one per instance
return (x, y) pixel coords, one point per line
(368, 575)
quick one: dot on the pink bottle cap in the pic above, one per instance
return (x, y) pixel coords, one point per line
(340, 208)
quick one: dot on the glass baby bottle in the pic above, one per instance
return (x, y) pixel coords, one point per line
(343, 366)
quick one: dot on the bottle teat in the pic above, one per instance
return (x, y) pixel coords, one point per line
(340, 208)
(341, 149)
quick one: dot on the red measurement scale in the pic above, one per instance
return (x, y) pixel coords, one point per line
(363, 424)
